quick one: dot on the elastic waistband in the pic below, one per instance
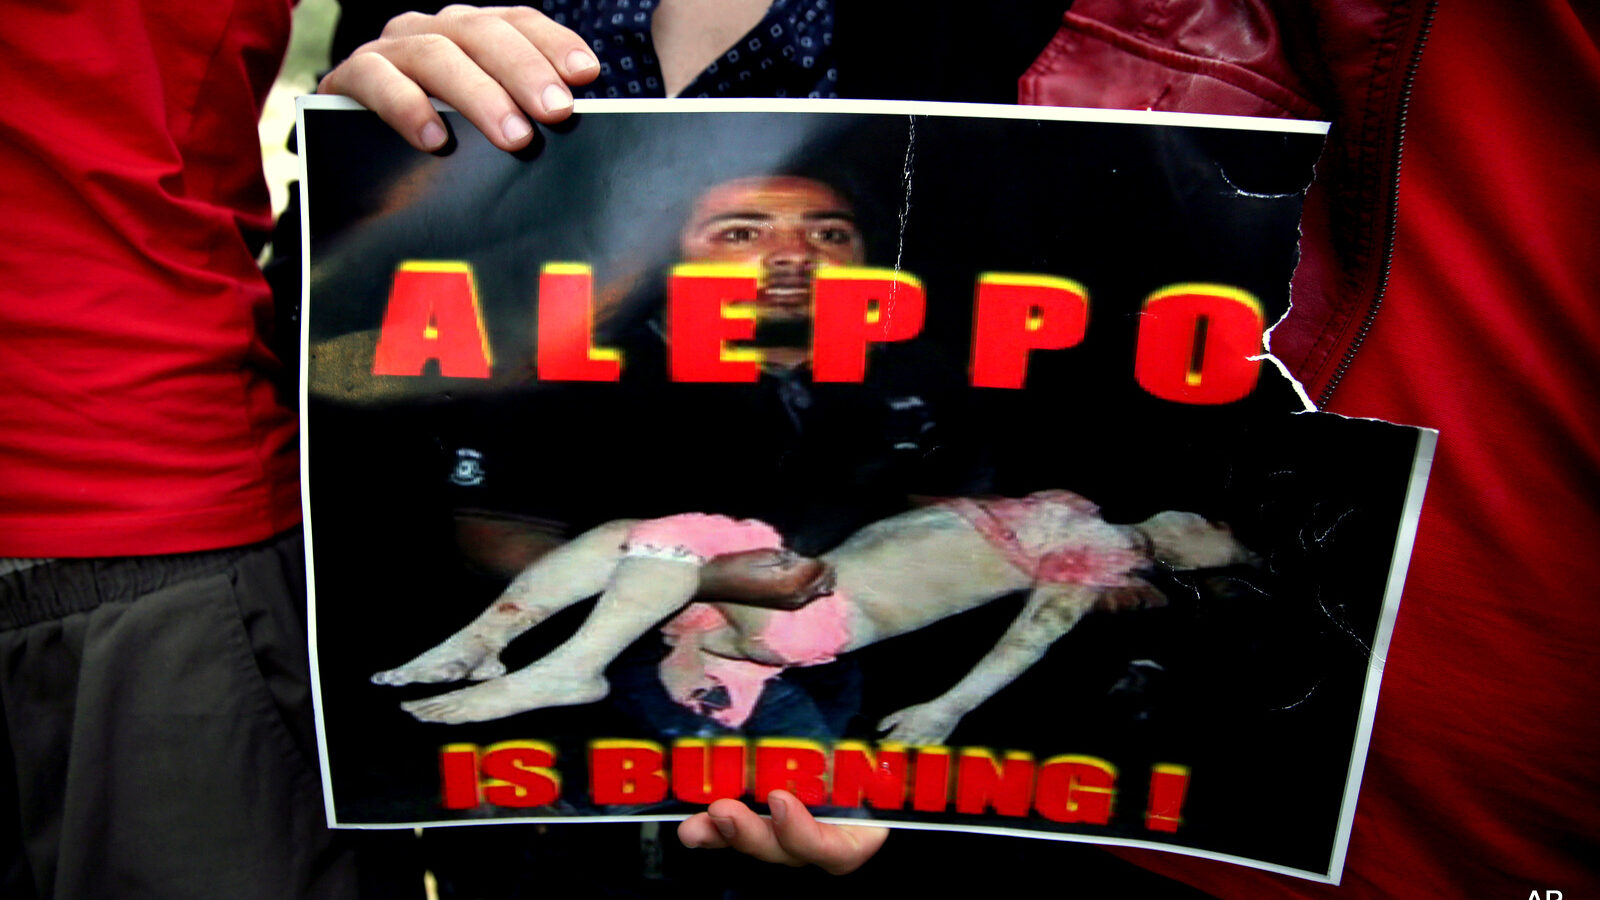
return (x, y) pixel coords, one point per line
(57, 588)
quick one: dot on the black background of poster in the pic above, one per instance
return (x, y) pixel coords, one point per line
(1262, 670)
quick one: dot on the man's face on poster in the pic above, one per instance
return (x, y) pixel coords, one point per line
(787, 226)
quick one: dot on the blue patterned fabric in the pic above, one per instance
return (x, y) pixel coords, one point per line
(789, 54)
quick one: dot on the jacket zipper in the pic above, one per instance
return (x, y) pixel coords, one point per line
(1393, 217)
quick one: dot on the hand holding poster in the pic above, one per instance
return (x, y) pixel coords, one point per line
(923, 461)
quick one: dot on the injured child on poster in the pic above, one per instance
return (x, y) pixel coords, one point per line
(892, 577)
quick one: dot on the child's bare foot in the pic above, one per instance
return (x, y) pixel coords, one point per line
(460, 656)
(527, 689)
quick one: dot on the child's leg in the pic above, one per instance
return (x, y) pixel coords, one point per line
(578, 569)
(643, 591)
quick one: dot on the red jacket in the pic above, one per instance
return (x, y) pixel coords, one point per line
(1457, 292)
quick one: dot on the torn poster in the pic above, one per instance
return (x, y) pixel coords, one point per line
(922, 460)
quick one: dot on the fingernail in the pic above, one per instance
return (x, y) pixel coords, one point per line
(725, 827)
(579, 62)
(555, 98)
(780, 807)
(515, 128)
(432, 136)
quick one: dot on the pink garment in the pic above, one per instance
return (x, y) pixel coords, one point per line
(808, 636)
(698, 679)
(697, 537)
(1054, 536)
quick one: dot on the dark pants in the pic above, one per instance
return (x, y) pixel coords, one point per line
(157, 735)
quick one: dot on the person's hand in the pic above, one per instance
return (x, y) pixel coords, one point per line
(497, 65)
(791, 837)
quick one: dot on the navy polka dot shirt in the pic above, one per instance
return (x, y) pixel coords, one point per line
(789, 54)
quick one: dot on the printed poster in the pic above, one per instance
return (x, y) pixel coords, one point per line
(924, 460)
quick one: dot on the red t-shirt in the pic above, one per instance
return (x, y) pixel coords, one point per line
(138, 415)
